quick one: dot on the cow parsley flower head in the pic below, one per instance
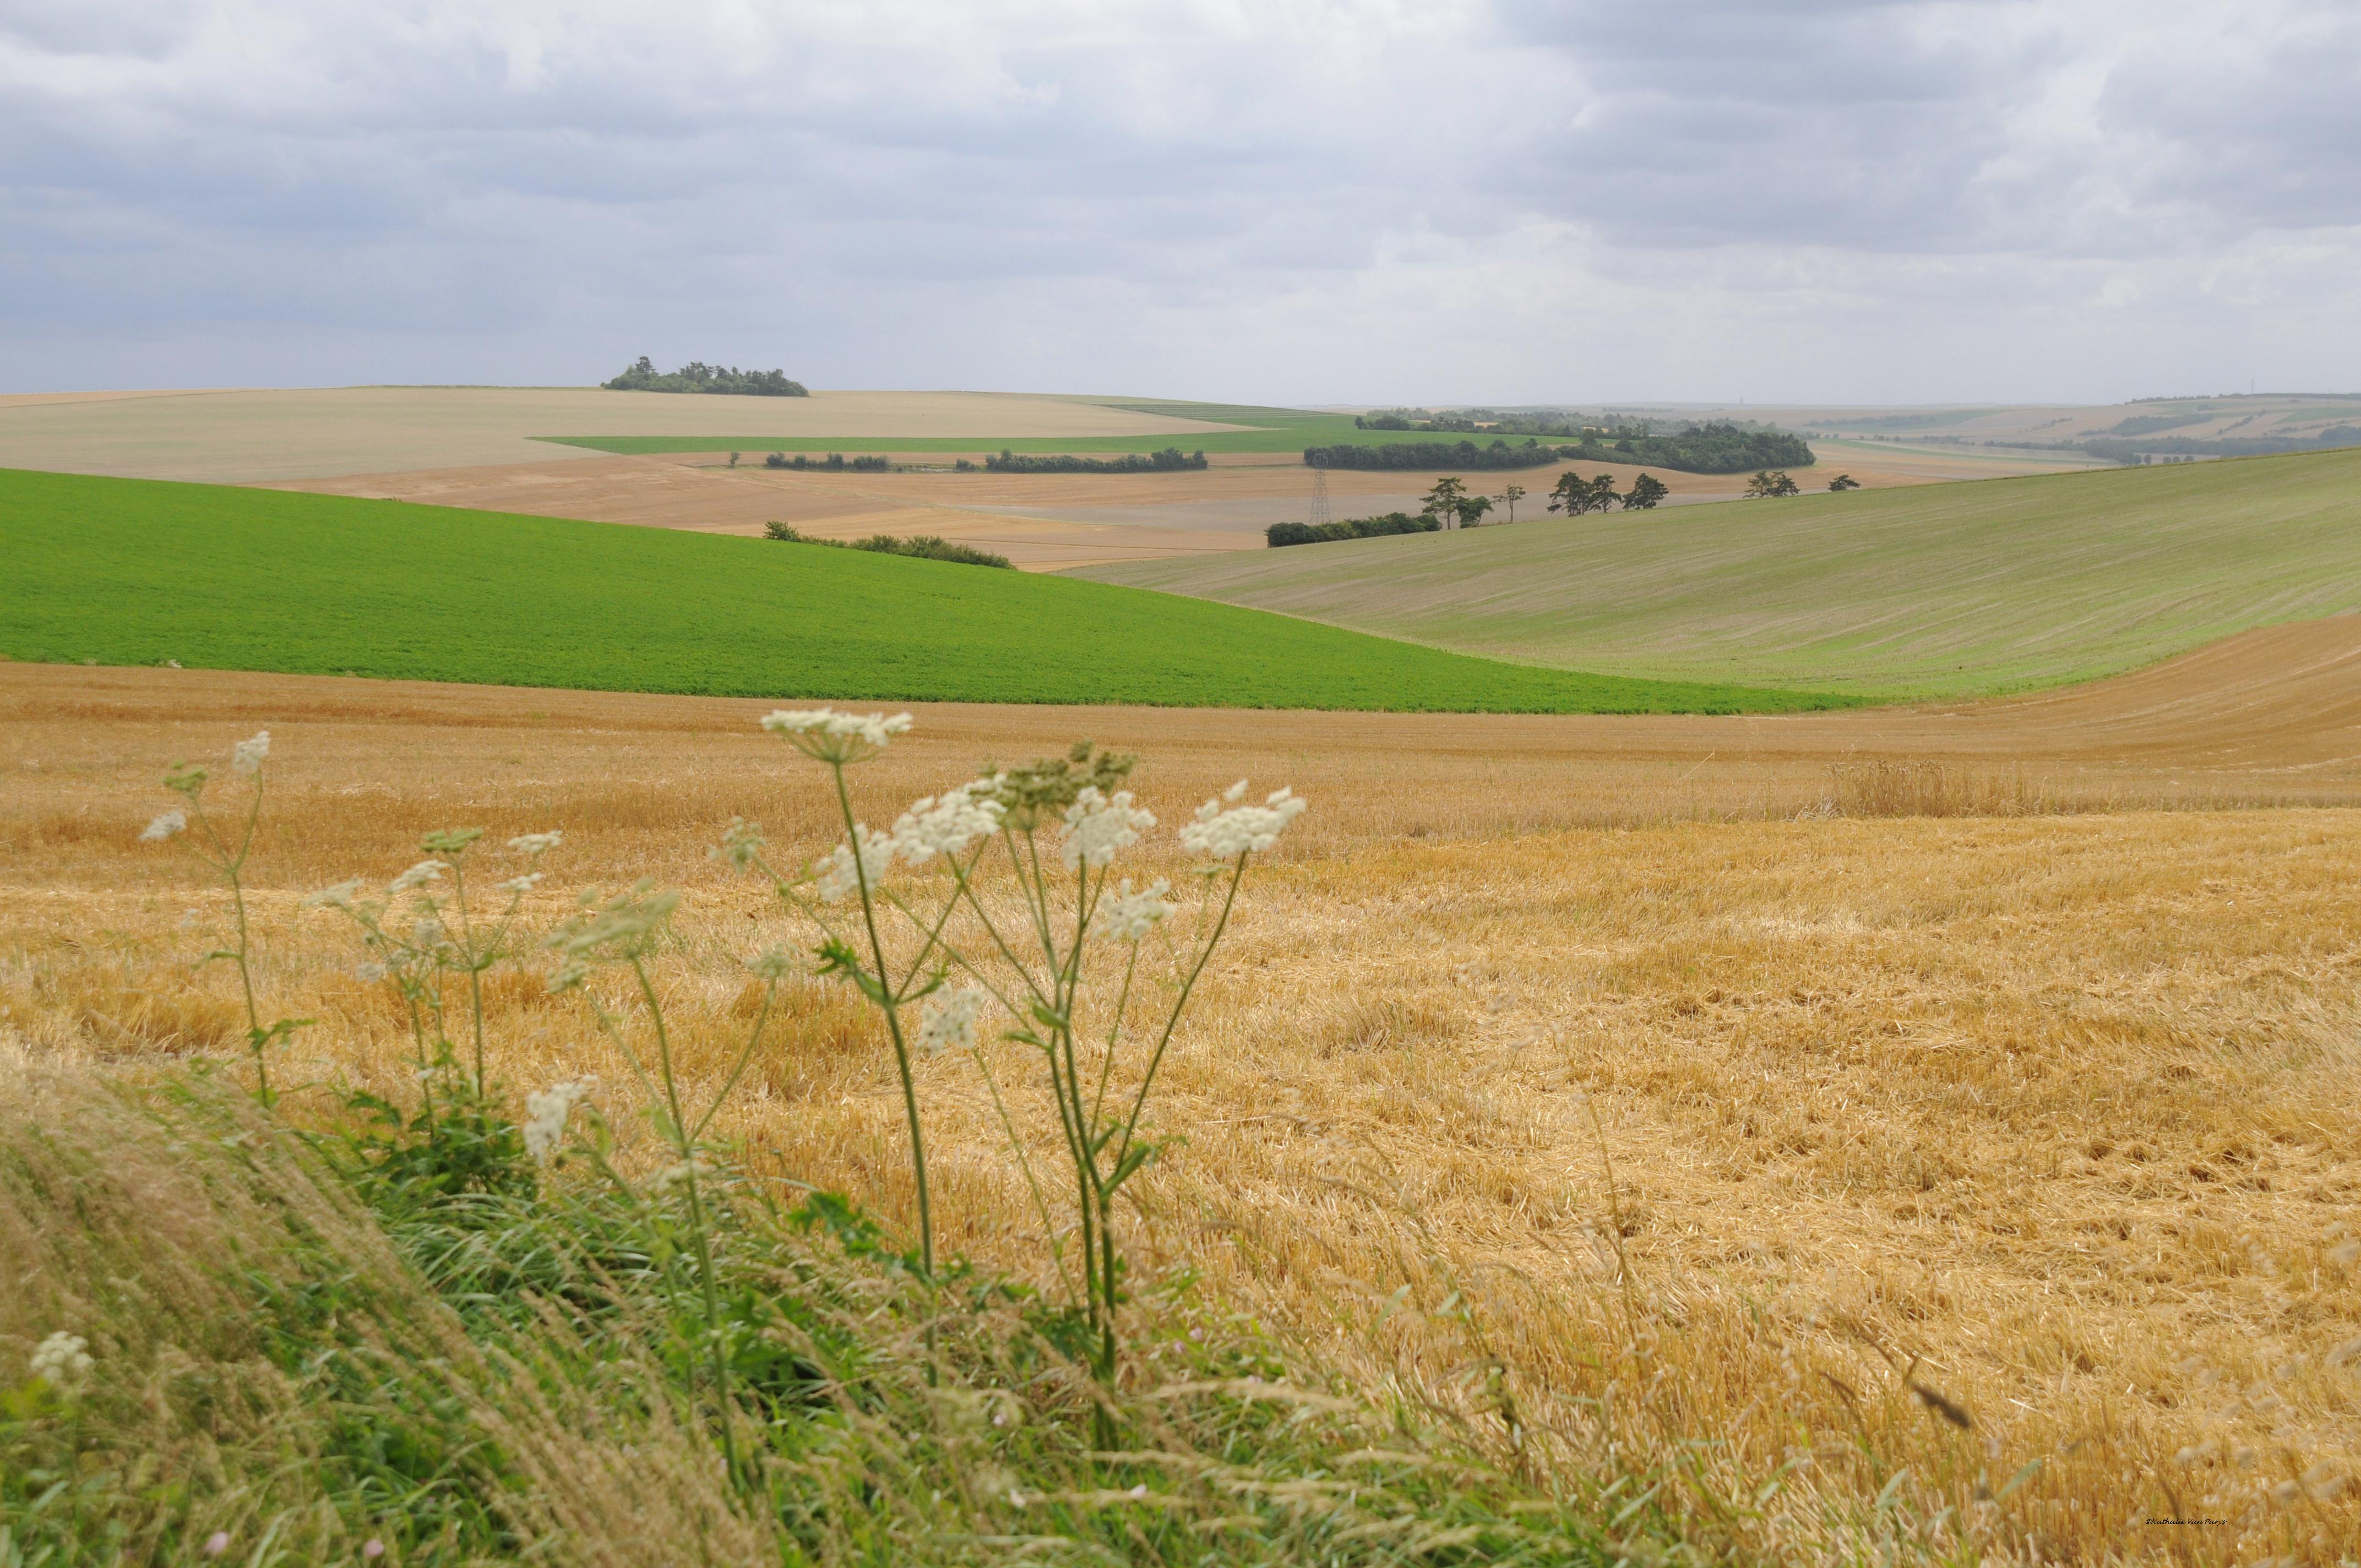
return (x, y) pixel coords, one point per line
(537, 843)
(428, 933)
(1098, 825)
(1129, 917)
(948, 823)
(828, 736)
(246, 756)
(741, 843)
(165, 826)
(775, 965)
(337, 897)
(61, 1360)
(545, 1113)
(1225, 835)
(370, 971)
(517, 886)
(949, 1023)
(838, 878)
(417, 876)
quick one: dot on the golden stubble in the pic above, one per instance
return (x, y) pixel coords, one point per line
(1727, 1149)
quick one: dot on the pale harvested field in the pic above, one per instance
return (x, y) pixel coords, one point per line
(2054, 1116)
(1042, 522)
(243, 436)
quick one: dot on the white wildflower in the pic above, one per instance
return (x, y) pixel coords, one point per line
(569, 974)
(829, 736)
(741, 843)
(948, 823)
(517, 886)
(1098, 825)
(672, 1176)
(537, 843)
(370, 972)
(417, 876)
(1235, 793)
(61, 1360)
(1225, 835)
(776, 966)
(248, 754)
(545, 1113)
(428, 933)
(337, 897)
(950, 1019)
(838, 878)
(1129, 917)
(164, 827)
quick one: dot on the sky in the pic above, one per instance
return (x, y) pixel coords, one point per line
(1303, 202)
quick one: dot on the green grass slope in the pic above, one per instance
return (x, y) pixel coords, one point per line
(1937, 590)
(137, 571)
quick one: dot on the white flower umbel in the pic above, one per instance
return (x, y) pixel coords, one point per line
(951, 1020)
(168, 825)
(545, 1113)
(1129, 917)
(836, 879)
(248, 754)
(948, 823)
(537, 843)
(828, 736)
(1225, 835)
(61, 1360)
(1098, 825)
(517, 886)
(417, 876)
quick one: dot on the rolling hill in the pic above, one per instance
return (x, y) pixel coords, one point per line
(1957, 590)
(142, 572)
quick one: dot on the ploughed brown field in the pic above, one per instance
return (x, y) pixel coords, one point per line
(1041, 523)
(1957, 1107)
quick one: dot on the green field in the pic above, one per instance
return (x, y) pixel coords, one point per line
(139, 571)
(1953, 589)
(1274, 429)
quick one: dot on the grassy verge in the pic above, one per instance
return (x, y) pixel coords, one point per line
(403, 1342)
(138, 572)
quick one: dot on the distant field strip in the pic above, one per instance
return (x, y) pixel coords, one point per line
(138, 572)
(1936, 590)
(1271, 430)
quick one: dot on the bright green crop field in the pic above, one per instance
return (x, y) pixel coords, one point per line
(139, 571)
(1936, 590)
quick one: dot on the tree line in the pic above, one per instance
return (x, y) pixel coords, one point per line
(1170, 460)
(1451, 504)
(698, 377)
(920, 546)
(1718, 447)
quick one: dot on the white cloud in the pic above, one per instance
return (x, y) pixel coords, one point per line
(1532, 199)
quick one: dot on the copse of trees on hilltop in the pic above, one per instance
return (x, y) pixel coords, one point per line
(1284, 533)
(698, 377)
(1169, 461)
(1772, 482)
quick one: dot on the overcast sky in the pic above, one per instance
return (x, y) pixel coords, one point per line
(1293, 201)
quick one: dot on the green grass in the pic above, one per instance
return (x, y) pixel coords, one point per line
(1274, 429)
(137, 571)
(1939, 590)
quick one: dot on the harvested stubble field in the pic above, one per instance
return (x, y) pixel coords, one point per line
(1719, 1138)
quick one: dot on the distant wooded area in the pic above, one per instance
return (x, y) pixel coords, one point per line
(698, 377)
(1169, 460)
(1718, 447)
